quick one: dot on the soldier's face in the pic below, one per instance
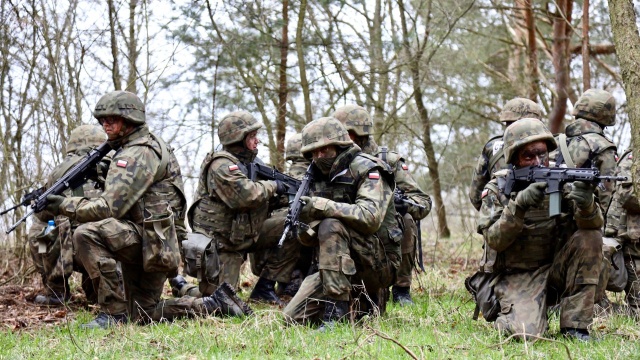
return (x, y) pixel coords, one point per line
(534, 153)
(251, 141)
(113, 126)
(328, 151)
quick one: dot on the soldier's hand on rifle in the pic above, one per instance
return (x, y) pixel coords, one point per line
(401, 206)
(313, 208)
(582, 194)
(54, 202)
(281, 187)
(531, 196)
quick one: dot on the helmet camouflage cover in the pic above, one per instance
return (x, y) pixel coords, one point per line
(355, 118)
(525, 131)
(323, 132)
(596, 105)
(293, 147)
(85, 137)
(235, 126)
(520, 108)
(121, 103)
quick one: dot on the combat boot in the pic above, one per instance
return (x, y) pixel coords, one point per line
(292, 287)
(578, 334)
(52, 299)
(334, 311)
(264, 291)
(105, 321)
(401, 295)
(225, 301)
(176, 285)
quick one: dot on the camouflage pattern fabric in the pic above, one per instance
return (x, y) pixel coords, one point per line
(481, 173)
(235, 126)
(588, 148)
(351, 210)
(520, 108)
(123, 104)
(596, 105)
(294, 144)
(542, 261)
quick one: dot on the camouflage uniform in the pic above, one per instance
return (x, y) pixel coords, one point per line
(139, 202)
(540, 261)
(587, 145)
(628, 230)
(358, 236)
(231, 208)
(57, 263)
(492, 159)
(358, 122)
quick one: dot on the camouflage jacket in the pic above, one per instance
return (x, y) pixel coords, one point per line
(526, 240)
(615, 211)
(130, 183)
(229, 205)
(298, 167)
(481, 173)
(403, 178)
(588, 148)
(628, 229)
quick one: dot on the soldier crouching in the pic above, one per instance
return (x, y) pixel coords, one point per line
(531, 260)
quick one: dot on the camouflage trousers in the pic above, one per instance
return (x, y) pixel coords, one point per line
(632, 264)
(570, 281)
(409, 250)
(111, 252)
(346, 261)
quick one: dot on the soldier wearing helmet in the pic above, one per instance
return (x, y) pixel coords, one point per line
(52, 253)
(360, 127)
(299, 164)
(531, 261)
(350, 203)
(127, 238)
(230, 208)
(492, 159)
(584, 144)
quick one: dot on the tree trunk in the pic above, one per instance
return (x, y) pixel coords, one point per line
(627, 42)
(115, 70)
(586, 73)
(282, 92)
(532, 52)
(561, 34)
(133, 51)
(304, 83)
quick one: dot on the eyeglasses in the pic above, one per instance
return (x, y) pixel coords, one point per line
(108, 120)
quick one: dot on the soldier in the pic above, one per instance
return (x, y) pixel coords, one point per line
(299, 164)
(127, 241)
(584, 145)
(53, 253)
(230, 208)
(359, 125)
(358, 236)
(540, 260)
(492, 158)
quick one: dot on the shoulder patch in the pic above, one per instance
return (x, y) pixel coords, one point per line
(233, 167)
(485, 192)
(374, 175)
(121, 163)
(405, 167)
(630, 156)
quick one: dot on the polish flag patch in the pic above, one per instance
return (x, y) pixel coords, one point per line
(121, 163)
(374, 176)
(405, 167)
(233, 167)
(630, 156)
(485, 192)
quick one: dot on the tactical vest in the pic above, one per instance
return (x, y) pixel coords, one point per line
(212, 217)
(597, 144)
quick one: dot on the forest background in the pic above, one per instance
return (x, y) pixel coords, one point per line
(433, 74)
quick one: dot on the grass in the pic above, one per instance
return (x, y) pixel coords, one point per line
(439, 326)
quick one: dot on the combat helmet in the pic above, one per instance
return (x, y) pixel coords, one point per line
(322, 132)
(235, 126)
(85, 137)
(121, 103)
(520, 108)
(293, 148)
(525, 131)
(355, 118)
(596, 105)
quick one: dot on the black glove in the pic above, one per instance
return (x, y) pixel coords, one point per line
(531, 196)
(53, 204)
(401, 206)
(281, 187)
(582, 194)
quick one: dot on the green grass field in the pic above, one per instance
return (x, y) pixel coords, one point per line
(438, 326)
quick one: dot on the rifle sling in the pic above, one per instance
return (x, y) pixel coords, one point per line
(564, 149)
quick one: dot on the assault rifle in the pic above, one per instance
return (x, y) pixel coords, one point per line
(269, 173)
(26, 200)
(555, 177)
(399, 195)
(75, 177)
(292, 222)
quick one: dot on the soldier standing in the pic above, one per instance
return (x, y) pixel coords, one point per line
(492, 159)
(540, 260)
(231, 208)
(127, 239)
(359, 125)
(358, 237)
(53, 253)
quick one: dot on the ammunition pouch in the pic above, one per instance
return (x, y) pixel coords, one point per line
(480, 285)
(618, 272)
(160, 251)
(201, 257)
